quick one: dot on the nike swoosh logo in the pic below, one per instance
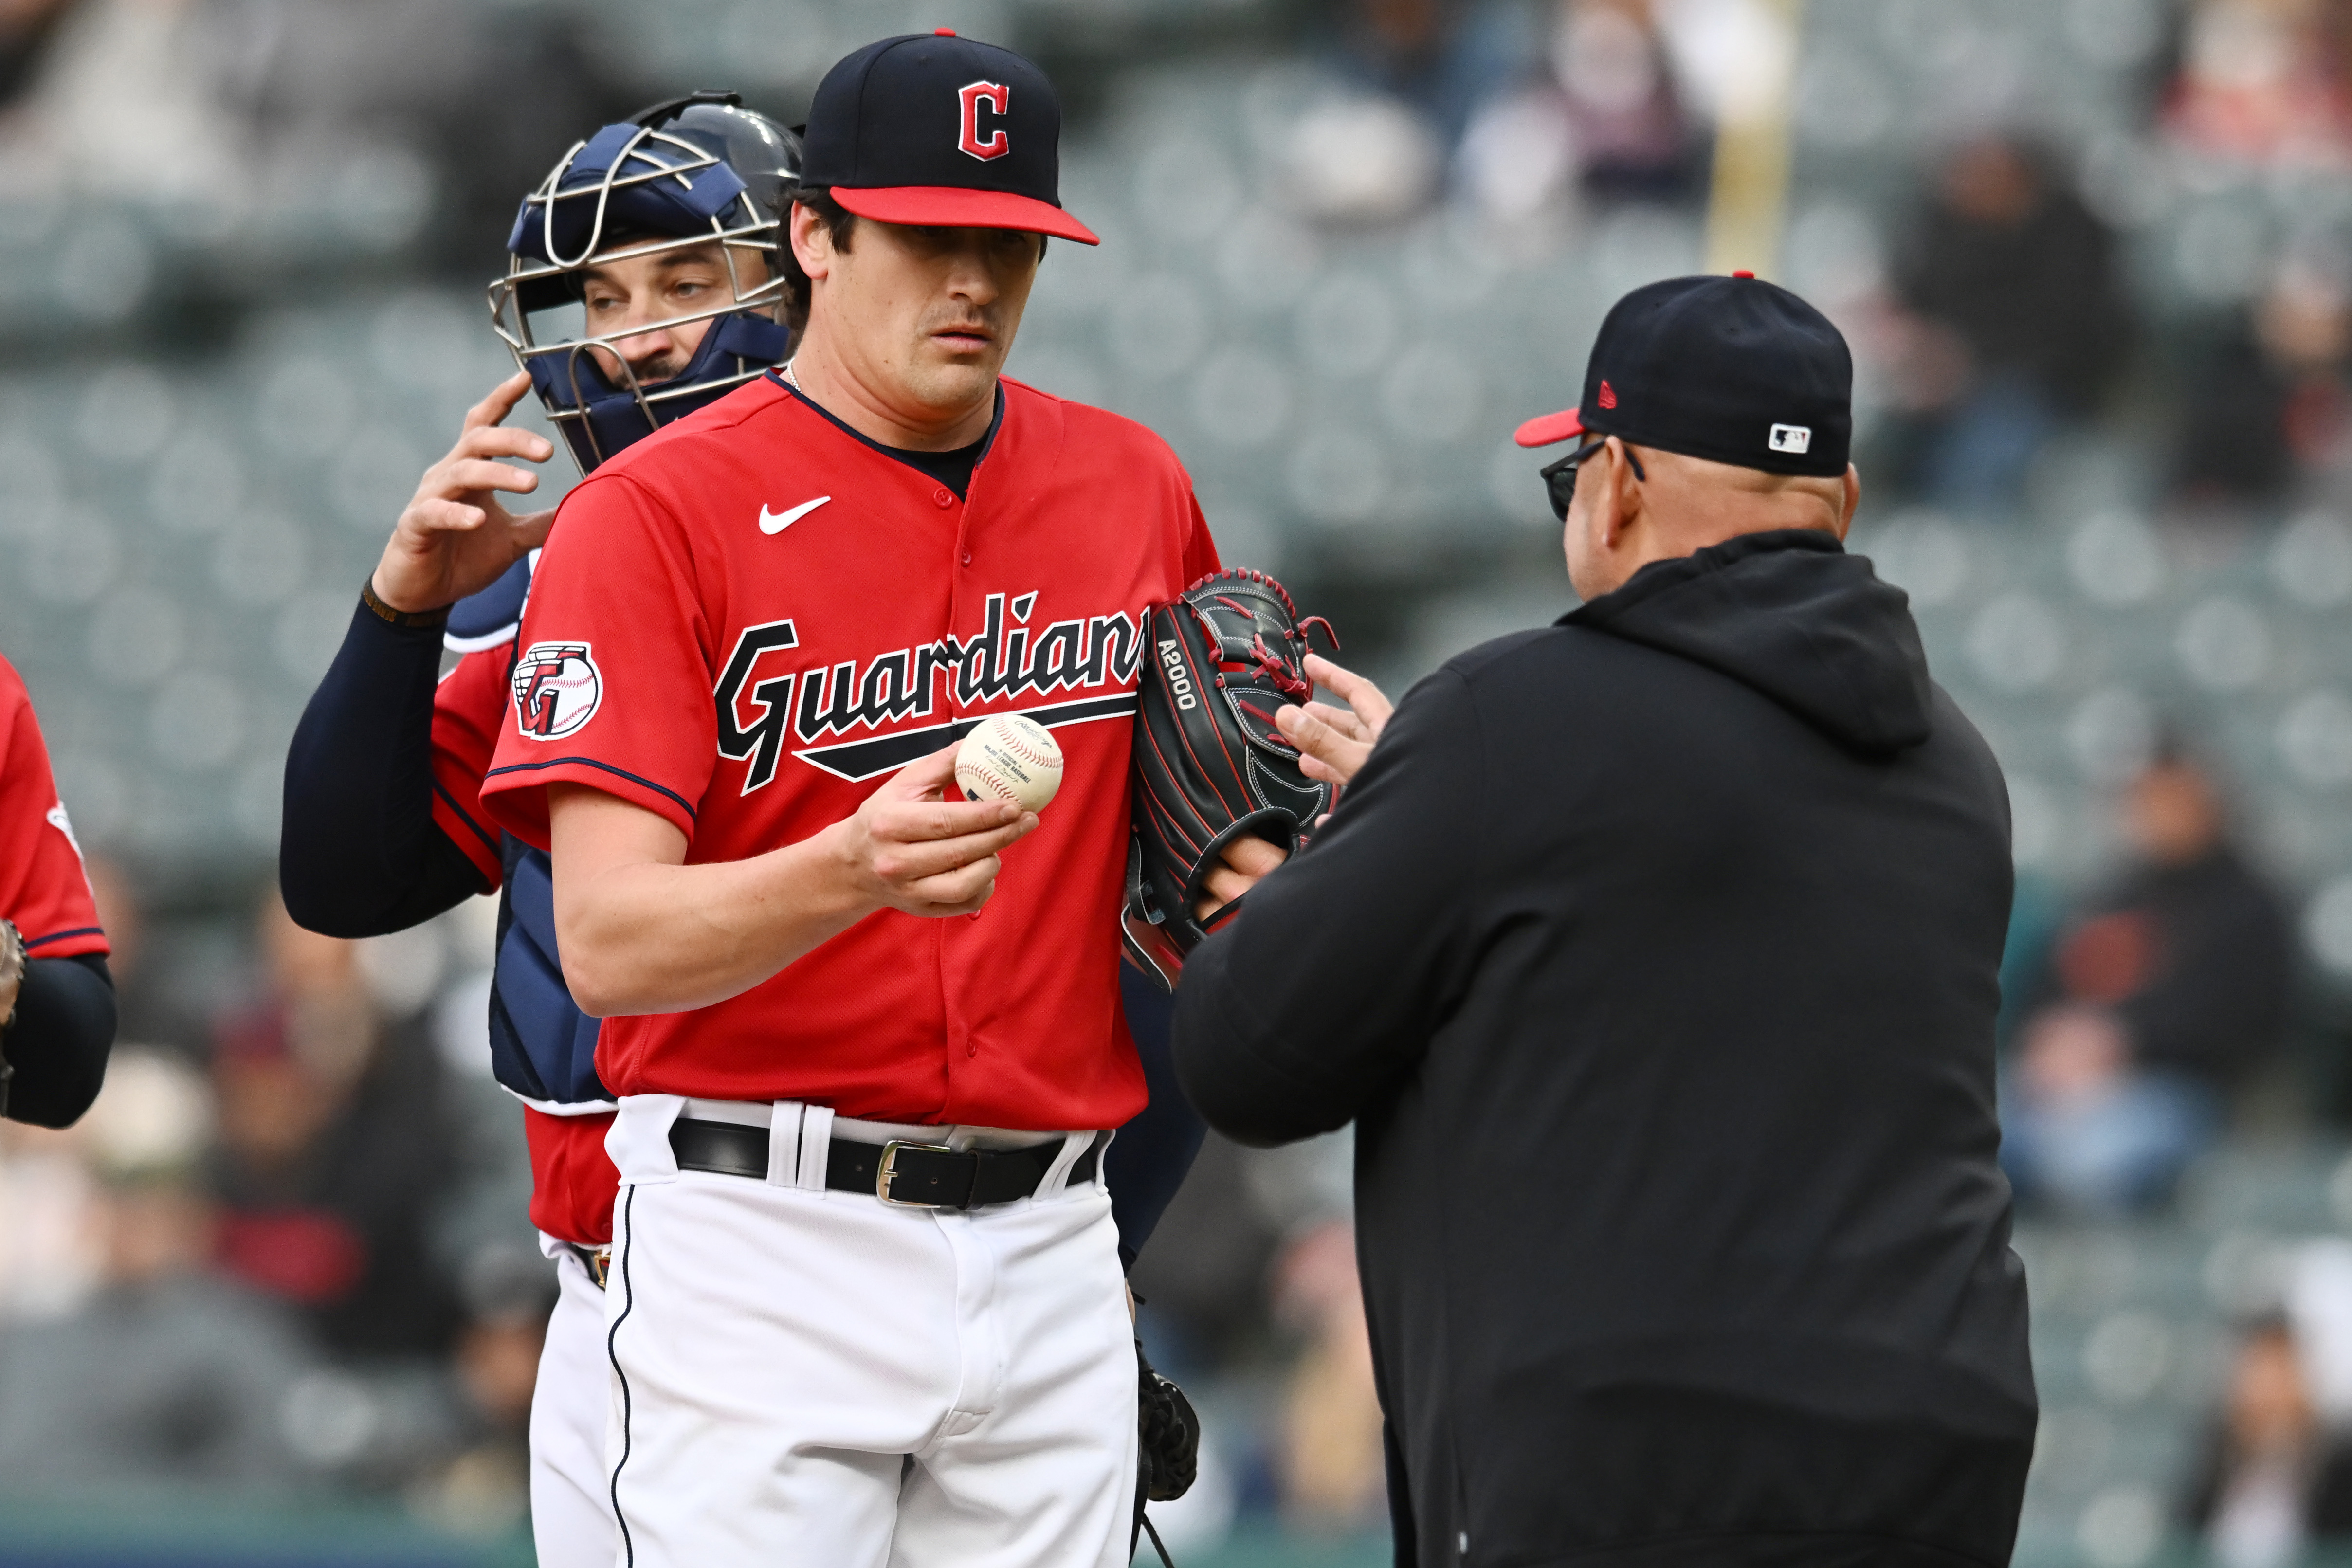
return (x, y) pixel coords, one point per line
(777, 522)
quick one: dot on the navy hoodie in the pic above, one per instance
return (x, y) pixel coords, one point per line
(1653, 954)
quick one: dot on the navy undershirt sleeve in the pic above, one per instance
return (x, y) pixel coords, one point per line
(359, 853)
(1151, 1156)
(58, 1042)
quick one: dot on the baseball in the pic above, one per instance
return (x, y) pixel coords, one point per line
(1008, 757)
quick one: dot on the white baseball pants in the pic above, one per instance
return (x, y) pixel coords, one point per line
(812, 1377)
(570, 1507)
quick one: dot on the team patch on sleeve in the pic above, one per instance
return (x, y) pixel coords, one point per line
(557, 690)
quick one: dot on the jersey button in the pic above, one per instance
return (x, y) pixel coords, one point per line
(943, 497)
(967, 557)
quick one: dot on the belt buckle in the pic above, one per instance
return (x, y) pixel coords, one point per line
(600, 1266)
(888, 1171)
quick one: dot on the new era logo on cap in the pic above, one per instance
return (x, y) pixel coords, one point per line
(1791, 439)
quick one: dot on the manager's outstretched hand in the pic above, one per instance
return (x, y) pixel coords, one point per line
(1333, 742)
(1239, 866)
(455, 537)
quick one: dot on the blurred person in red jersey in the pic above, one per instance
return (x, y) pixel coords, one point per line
(2009, 321)
(2163, 996)
(2263, 82)
(57, 998)
(335, 1145)
(2270, 1480)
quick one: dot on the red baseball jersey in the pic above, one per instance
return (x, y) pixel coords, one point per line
(573, 1181)
(43, 887)
(748, 621)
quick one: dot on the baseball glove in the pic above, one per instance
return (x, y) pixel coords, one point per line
(1221, 659)
(1171, 1433)
(1170, 1448)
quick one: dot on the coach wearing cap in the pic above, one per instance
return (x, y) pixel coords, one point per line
(1653, 955)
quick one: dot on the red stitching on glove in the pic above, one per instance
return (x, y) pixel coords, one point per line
(1287, 680)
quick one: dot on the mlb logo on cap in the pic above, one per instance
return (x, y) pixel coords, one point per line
(1733, 370)
(943, 132)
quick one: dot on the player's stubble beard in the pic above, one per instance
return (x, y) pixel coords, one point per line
(647, 370)
(945, 379)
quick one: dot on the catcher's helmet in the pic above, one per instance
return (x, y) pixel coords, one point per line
(688, 171)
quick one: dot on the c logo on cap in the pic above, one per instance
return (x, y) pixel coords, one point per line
(996, 144)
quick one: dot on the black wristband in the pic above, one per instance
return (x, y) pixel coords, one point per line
(419, 620)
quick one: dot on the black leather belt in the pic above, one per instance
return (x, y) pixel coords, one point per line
(912, 1175)
(597, 1260)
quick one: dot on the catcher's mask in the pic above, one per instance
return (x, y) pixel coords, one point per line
(692, 171)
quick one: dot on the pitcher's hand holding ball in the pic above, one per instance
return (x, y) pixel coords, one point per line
(915, 846)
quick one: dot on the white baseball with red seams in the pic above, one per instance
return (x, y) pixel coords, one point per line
(1007, 757)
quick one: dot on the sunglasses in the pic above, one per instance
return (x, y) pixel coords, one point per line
(1559, 478)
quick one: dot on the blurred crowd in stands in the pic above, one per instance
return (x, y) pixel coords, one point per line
(2001, 312)
(284, 1251)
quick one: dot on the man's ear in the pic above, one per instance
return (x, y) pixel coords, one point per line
(1853, 502)
(1622, 500)
(812, 243)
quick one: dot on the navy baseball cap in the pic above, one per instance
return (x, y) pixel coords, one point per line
(1735, 369)
(932, 128)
